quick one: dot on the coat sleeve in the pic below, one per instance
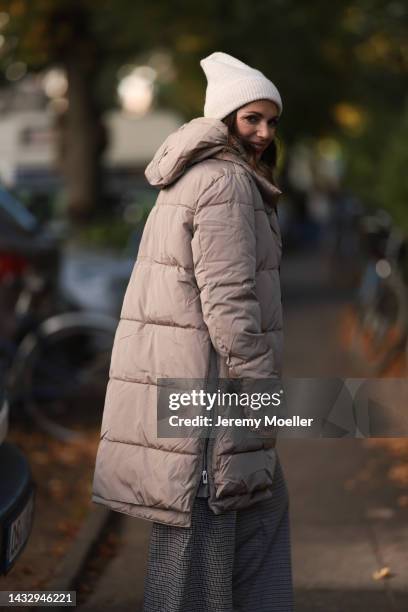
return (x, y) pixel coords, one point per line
(224, 255)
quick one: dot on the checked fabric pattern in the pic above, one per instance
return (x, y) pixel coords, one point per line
(239, 561)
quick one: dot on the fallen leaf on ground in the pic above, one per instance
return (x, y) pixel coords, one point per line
(403, 501)
(382, 573)
(68, 528)
(399, 474)
(58, 550)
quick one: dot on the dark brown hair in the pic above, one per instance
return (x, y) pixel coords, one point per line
(266, 165)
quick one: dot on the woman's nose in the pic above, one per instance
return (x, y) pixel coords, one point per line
(263, 131)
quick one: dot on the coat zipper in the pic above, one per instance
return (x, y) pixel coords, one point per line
(204, 474)
(204, 469)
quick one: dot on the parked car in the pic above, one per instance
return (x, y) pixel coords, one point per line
(17, 495)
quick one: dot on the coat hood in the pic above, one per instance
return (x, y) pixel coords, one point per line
(199, 139)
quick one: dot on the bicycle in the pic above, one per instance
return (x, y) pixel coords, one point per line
(55, 356)
(382, 301)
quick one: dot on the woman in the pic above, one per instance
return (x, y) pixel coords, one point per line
(203, 302)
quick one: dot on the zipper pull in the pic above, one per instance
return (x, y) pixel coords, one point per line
(205, 478)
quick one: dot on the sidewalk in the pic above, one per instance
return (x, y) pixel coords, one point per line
(342, 534)
(345, 521)
(121, 586)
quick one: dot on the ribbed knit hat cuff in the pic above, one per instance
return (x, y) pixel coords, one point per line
(239, 93)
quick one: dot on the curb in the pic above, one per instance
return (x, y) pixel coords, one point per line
(72, 564)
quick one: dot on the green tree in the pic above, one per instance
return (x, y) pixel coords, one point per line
(46, 33)
(90, 40)
(392, 185)
(341, 67)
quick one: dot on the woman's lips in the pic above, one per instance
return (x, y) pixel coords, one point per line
(258, 145)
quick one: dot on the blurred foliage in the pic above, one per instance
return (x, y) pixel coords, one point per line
(341, 67)
(105, 233)
(364, 154)
(117, 232)
(319, 54)
(392, 171)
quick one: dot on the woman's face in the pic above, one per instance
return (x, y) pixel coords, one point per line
(256, 124)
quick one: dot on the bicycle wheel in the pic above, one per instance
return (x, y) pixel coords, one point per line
(61, 372)
(382, 325)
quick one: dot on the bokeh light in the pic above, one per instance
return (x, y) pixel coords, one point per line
(136, 89)
(55, 83)
(350, 117)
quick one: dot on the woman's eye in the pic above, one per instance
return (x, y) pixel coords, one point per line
(273, 122)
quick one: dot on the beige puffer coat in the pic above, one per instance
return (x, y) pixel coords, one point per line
(204, 295)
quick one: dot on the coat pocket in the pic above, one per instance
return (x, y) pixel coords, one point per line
(244, 473)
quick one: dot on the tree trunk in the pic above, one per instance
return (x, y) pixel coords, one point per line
(83, 141)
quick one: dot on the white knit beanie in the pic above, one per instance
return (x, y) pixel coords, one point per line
(231, 84)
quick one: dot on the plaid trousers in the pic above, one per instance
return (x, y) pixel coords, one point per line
(239, 561)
